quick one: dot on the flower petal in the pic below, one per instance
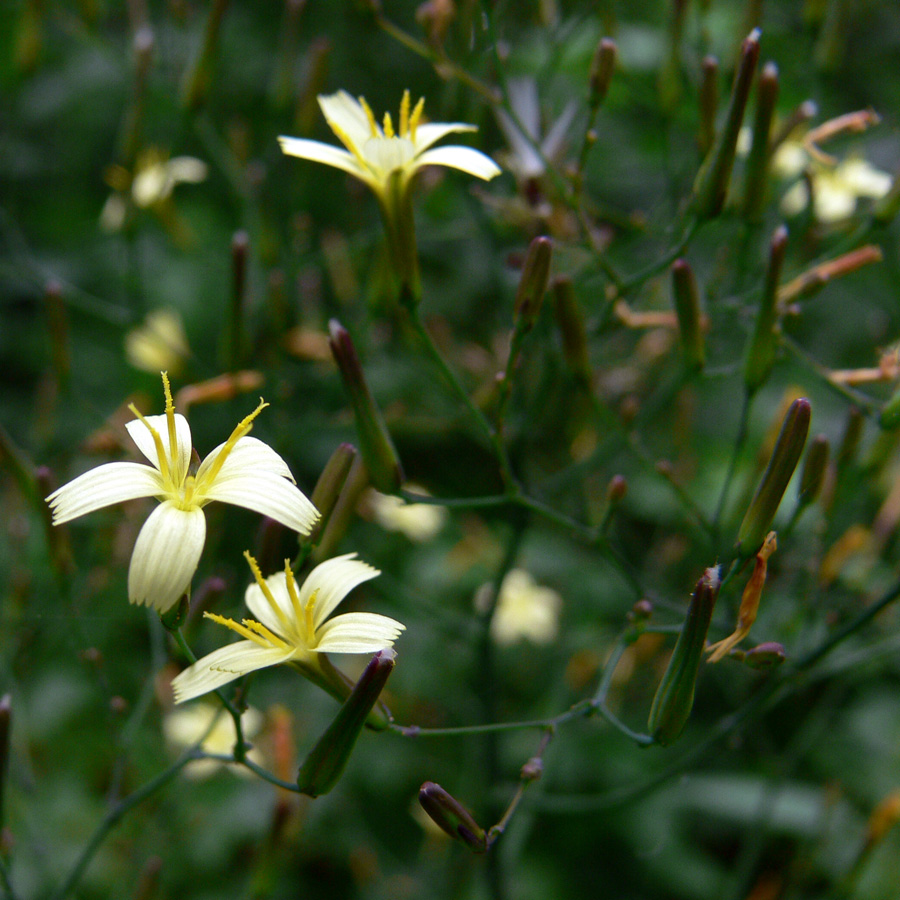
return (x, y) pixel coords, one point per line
(248, 453)
(386, 155)
(165, 556)
(431, 132)
(473, 162)
(358, 633)
(141, 435)
(224, 665)
(107, 484)
(316, 151)
(346, 112)
(262, 610)
(332, 580)
(265, 493)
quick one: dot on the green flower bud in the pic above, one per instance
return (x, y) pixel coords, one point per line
(687, 308)
(782, 463)
(674, 697)
(761, 350)
(328, 488)
(756, 173)
(571, 329)
(851, 438)
(533, 283)
(375, 442)
(709, 103)
(603, 65)
(765, 656)
(890, 412)
(326, 761)
(813, 472)
(451, 816)
(711, 183)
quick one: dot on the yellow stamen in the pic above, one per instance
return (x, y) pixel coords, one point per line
(242, 630)
(388, 126)
(157, 442)
(415, 118)
(264, 632)
(344, 138)
(373, 126)
(292, 591)
(310, 624)
(170, 420)
(243, 428)
(404, 114)
(273, 603)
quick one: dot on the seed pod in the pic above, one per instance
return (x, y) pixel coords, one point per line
(674, 698)
(784, 459)
(326, 761)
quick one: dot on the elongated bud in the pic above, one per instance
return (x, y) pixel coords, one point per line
(603, 65)
(756, 177)
(711, 183)
(687, 308)
(175, 616)
(763, 344)
(5, 723)
(328, 488)
(709, 103)
(765, 656)
(784, 459)
(326, 761)
(195, 89)
(533, 283)
(374, 440)
(451, 816)
(890, 412)
(853, 430)
(813, 473)
(674, 698)
(571, 329)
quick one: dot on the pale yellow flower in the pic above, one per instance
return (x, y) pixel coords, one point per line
(375, 153)
(836, 189)
(158, 343)
(525, 610)
(420, 522)
(292, 626)
(243, 471)
(186, 726)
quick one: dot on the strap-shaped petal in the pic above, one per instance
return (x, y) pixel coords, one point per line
(225, 665)
(284, 625)
(332, 580)
(346, 112)
(473, 162)
(165, 555)
(268, 494)
(107, 484)
(431, 132)
(316, 151)
(387, 155)
(248, 454)
(358, 633)
(141, 435)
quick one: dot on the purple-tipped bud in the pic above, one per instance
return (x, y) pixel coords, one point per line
(326, 761)
(375, 442)
(533, 283)
(687, 308)
(674, 697)
(765, 656)
(756, 177)
(451, 816)
(603, 65)
(850, 440)
(709, 103)
(813, 473)
(328, 488)
(784, 459)
(711, 183)
(617, 489)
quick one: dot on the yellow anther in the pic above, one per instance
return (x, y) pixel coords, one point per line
(292, 591)
(242, 630)
(344, 138)
(373, 126)
(157, 442)
(310, 623)
(415, 118)
(273, 603)
(170, 419)
(404, 114)
(388, 126)
(242, 429)
(267, 635)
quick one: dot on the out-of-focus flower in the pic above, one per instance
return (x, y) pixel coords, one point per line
(159, 343)
(243, 471)
(186, 726)
(524, 160)
(291, 627)
(420, 522)
(377, 153)
(151, 185)
(525, 610)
